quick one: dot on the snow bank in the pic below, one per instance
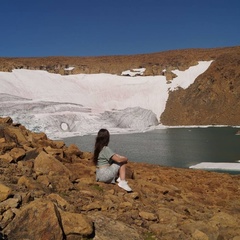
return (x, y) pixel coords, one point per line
(81, 104)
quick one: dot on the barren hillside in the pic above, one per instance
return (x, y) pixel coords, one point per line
(212, 99)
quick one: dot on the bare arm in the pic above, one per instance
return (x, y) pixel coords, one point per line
(119, 158)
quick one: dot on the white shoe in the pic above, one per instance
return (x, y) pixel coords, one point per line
(123, 184)
(119, 179)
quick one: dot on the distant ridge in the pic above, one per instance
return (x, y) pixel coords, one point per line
(153, 62)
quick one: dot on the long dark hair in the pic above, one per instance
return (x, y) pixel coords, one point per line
(102, 140)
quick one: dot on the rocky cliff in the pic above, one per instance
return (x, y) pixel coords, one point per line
(212, 99)
(48, 191)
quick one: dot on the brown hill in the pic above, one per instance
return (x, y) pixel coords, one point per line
(212, 99)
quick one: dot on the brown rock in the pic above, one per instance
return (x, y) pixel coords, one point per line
(59, 144)
(59, 182)
(15, 134)
(4, 147)
(76, 224)
(54, 151)
(31, 153)
(199, 235)
(26, 225)
(45, 163)
(25, 167)
(6, 157)
(9, 203)
(17, 154)
(92, 206)
(60, 202)
(225, 220)
(29, 183)
(35, 137)
(72, 152)
(7, 217)
(148, 216)
(108, 229)
(6, 120)
(4, 192)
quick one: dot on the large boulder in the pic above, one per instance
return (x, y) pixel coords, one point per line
(37, 220)
(46, 163)
(75, 224)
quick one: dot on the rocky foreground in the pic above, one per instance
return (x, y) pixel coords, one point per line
(48, 191)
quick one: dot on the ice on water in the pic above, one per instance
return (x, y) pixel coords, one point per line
(217, 166)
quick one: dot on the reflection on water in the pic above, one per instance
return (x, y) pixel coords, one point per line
(178, 147)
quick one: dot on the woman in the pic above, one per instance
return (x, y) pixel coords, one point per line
(109, 164)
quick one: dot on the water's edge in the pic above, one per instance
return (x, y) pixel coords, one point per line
(176, 147)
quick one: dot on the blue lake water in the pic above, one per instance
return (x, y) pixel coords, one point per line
(177, 147)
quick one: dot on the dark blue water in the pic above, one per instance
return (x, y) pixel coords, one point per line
(177, 147)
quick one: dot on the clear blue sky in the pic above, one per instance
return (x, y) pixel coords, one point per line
(115, 27)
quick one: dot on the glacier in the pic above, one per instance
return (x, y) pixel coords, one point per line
(75, 105)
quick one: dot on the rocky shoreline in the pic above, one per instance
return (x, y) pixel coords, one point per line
(48, 191)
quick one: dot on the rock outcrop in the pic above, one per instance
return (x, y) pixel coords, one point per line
(48, 191)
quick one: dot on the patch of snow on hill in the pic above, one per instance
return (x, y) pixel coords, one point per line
(134, 72)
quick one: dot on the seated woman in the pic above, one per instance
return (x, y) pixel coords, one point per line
(109, 164)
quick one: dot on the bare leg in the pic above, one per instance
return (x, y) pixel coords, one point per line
(123, 183)
(122, 172)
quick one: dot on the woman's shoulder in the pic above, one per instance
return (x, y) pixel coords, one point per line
(107, 149)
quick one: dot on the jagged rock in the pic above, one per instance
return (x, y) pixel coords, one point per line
(200, 229)
(4, 147)
(92, 206)
(4, 192)
(39, 220)
(9, 203)
(226, 223)
(17, 154)
(54, 151)
(108, 229)
(148, 216)
(45, 163)
(59, 144)
(15, 134)
(7, 120)
(25, 167)
(60, 183)
(73, 153)
(31, 153)
(60, 202)
(35, 137)
(78, 170)
(28, 183)
(76, 224)
(199, 235)
(6, 157)
(7, 217)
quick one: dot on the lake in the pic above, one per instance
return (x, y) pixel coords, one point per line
(177, 147)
